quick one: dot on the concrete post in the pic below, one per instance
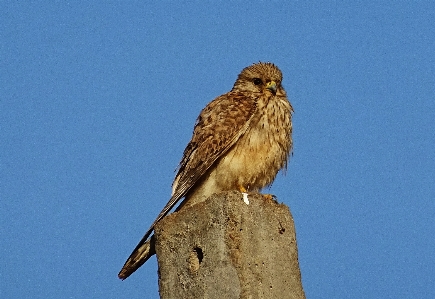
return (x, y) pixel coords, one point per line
(225, 248)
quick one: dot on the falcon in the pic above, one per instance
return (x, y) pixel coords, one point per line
(240, 141)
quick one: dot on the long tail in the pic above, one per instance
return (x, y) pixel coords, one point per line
(146, 248)
(138, 257)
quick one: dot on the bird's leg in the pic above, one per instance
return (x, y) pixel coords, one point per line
(266, 197)
(242, 189)
(269, 197)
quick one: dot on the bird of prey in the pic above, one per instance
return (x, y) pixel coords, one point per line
(240, 141)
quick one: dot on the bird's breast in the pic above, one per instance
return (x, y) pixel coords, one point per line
(261, 151)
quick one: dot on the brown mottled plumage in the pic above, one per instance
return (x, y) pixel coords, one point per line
(240, 142)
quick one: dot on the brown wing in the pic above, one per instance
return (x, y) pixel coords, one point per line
(217, 129)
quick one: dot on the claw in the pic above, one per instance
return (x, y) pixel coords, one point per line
(270, 197)
(242, 189)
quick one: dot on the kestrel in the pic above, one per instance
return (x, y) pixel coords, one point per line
(240, 141)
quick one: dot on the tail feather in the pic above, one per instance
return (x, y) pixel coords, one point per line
(138, 257)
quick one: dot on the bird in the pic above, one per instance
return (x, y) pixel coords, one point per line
(240, 141)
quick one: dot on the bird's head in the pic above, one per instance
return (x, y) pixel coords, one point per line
(262, 77)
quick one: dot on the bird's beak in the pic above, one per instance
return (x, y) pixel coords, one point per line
(271, 86)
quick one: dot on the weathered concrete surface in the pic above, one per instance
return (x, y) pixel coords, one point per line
(224, 248)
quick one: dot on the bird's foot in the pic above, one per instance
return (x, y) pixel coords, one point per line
(242, 189)
(269, 197)
(245, 194)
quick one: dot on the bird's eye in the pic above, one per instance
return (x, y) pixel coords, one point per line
(257, 81)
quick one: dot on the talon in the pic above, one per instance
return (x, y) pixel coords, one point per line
(269, 197)
(242, 189)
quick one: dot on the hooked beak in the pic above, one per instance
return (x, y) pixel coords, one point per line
(271, 86)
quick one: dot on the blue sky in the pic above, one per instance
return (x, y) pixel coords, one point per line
(98, 101)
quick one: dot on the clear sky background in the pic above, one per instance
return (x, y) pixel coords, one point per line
(98, 101)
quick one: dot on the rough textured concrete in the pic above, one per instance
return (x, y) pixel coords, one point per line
(224, 248)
